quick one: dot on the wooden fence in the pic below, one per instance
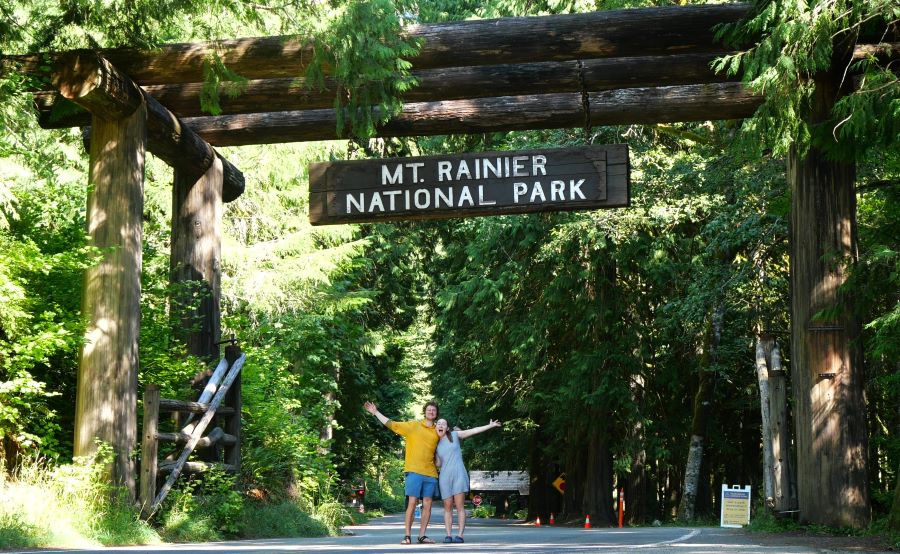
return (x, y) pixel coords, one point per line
(221, 397)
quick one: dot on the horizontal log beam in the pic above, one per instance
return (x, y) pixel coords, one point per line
(215, 436)
(195, 467)
(92, 82)
(169, 405)
(274, 95)
(632, 32)
(509, 113)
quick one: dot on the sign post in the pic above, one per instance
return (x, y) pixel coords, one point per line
(472, 184)
(735, 503)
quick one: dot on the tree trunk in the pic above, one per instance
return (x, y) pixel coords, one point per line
(894, 517)
(598, 482)
(637, 489)
(540, 501)
(106, 399)
(196, 259)
(702, 412)
(763, 346)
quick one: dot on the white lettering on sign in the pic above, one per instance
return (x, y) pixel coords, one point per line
(477, 169)
(438, 184)
(421, 199)
(396, 178)
(557, 191)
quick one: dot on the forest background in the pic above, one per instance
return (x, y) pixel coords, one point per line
(588, 334)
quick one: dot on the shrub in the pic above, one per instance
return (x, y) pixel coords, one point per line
(262, 520)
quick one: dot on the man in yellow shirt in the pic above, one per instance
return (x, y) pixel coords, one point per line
(421, 473)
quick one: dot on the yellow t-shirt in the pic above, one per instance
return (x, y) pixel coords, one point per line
(421, 441)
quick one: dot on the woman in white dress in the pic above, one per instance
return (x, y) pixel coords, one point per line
(453, 479)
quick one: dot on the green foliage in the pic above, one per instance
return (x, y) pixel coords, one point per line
(263, 520)
(360, 41)
(384, 487)
(798, 46)
(202, 510)
(215, 76)
(70, 505)
(482, 512)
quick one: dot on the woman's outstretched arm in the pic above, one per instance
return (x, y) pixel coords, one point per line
(465, 433)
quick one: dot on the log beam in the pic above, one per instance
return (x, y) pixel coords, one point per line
(287, 94)
(453, 83)
(610, 33)
(169, 405)
(510, 113)
(96, 85)
(213, 438)
(195, 468)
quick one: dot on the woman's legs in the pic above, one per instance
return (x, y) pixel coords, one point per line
(458, 499)
(448, 515)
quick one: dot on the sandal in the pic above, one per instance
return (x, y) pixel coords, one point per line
(406, 540)
(425, 540)
(448, 539)
(457, 538)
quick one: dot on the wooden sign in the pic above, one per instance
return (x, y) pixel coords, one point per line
(474, 184)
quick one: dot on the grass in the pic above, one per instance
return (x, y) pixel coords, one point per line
(67, 506)
(71, 506)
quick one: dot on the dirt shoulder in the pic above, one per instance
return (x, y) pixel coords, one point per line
(867, 543)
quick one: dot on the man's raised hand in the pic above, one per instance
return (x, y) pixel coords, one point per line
(371, 408)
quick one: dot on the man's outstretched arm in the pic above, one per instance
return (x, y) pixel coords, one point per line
(372, 409)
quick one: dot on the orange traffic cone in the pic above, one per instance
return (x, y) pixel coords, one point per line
(552, 520)
(587, 521)
(537, 522)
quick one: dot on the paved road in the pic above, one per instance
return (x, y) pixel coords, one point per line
(382, 536)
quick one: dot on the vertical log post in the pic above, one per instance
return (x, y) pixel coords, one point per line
(827, 378)
(195, 258)
(149, 447)
(106, 398)
(233, 424)
(784, 485)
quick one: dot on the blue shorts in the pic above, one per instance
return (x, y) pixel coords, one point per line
(420, 486)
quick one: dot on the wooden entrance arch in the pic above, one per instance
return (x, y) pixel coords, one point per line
(616, 67)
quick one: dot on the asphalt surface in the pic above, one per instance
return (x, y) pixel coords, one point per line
(383, 535)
